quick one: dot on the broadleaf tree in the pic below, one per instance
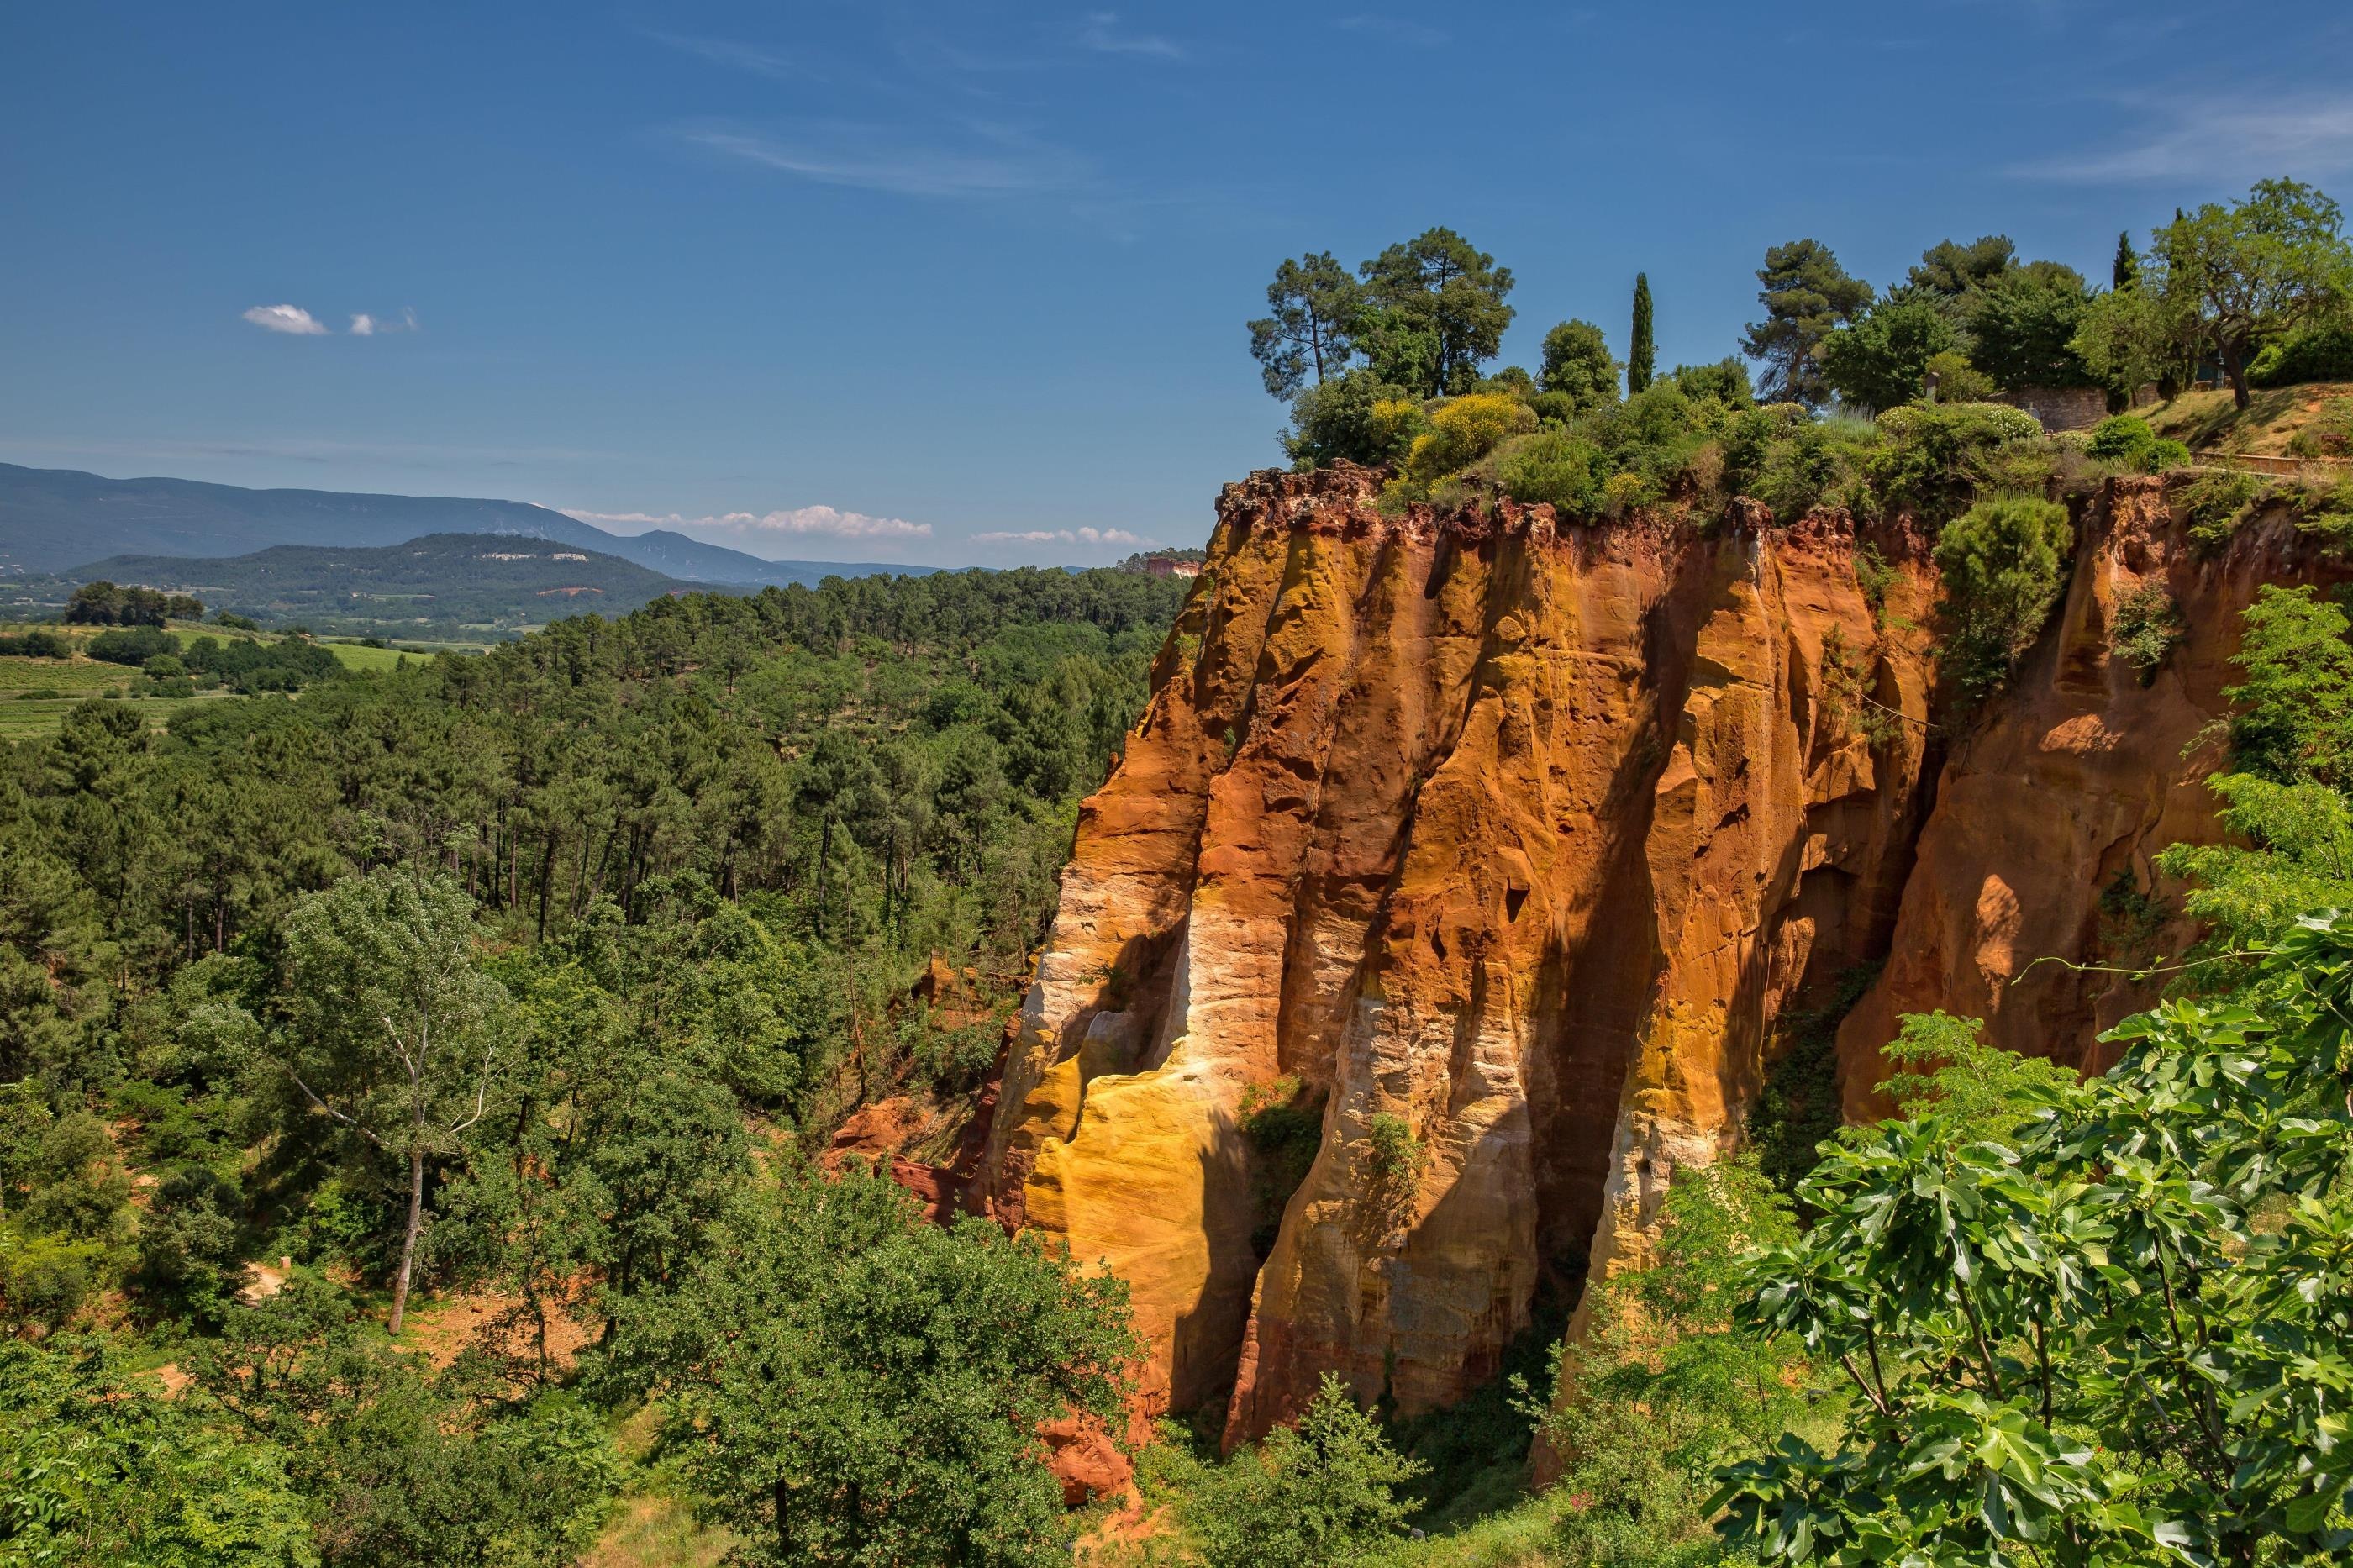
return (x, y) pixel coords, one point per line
(393, 1032)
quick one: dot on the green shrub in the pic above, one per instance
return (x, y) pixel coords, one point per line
(133, 645)
(1555, 467)
(1939, 457)
(1578, 365)
(2122, 438)
(1958, 380)
(1322, 1492)
(2003, 563)
(1725, 382)
(2217, 503)
(2166, 455)
(35, 644)
(1352, 418)
(2147, 626)
(2322, 350)
(1463, 430)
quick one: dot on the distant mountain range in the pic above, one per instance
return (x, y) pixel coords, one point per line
(489, 581)
(54, 521)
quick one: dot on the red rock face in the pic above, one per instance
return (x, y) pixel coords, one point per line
(2054, 804)
(1501, 844)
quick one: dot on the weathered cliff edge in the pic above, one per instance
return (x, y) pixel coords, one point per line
(1519, 836)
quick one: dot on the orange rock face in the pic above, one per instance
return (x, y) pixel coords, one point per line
(2053, 806)
(1511, 834)
(1494, 847)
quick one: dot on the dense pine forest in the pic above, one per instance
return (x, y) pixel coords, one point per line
(502, 972)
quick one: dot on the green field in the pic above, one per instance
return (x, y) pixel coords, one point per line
(26, 716)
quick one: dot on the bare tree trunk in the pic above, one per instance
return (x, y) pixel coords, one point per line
(409, 1237)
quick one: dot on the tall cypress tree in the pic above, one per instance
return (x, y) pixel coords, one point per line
(2127, 265)
(1642, 354)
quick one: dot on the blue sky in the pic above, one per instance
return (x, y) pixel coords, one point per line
(960, 283)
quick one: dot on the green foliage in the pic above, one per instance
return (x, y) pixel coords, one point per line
(399, 1464)
(2147, 626)
(2216, 503)
(1439, 311)
(2294, 709)
(1798, 1108)
(1355, 416)
(35, 644)
(2123, 438)
(1461, 431)
(1724, 383)
(1554, 467)
(133, 646)
(2125, 271)
(1285, 1126)
(1958, 380)
(392, 1030)
(2317, 350)
(2022, 328)
(1943, 1064)
(1577, 365)
(1806, 295)
(96, 1467)
(2291, 850)
(102, 603)
(2106, 1334)
(1321, 1492)
(2258, 268)
(1661, 1390)
(2137, 335)
(849, 1384)
(1313, 309)
(1937, 459)
(1642, 349)
(1878, 360)
(2003, 565)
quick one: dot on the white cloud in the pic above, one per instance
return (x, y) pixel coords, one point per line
(2219, 136)
(367, 326)
(1062, 536)
(1102, 35)
(290, 319)
(807, 521)
(729, 52)
(975, 161)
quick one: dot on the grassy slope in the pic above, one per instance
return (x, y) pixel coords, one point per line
(2207, 421)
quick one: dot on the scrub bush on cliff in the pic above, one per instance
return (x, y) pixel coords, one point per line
(1357, 417)
(2003, 564)
(2112, 1335)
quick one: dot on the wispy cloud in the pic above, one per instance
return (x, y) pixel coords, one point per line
(734, 55)
(2223, 136)
(1102, 33)
(807, 521)
(1062, 536)
(292, 320)
(969, 160)
(1398, 30)
(367, 326)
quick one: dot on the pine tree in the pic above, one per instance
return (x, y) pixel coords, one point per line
(2126, 271)
(1642, 353)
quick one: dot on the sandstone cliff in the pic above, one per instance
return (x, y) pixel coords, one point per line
(1500, 845)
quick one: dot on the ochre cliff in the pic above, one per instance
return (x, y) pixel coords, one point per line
(2053, 808)
(1501, 844)
(1517, 833)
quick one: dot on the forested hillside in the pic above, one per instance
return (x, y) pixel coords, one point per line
(489, 583)
(637, 903)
